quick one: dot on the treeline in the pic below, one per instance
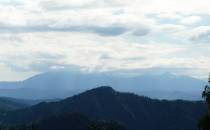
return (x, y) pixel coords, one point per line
(204, 122)
(68, 122)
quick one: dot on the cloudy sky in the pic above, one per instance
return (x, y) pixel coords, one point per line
(104, 35)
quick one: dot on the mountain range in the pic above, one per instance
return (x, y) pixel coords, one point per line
(61, 84)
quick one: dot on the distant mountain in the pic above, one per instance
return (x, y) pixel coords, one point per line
(10, 85)
(104, 103)
(60, 84)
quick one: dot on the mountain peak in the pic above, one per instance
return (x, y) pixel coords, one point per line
(103, 90)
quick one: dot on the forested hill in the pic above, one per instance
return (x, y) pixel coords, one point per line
(104, 103)
(9, 104)
(68, 121)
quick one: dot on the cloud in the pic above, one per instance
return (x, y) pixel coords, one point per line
(171, 16)
(38, 52)
(67, 49)
(149, 6)
(191, 20)
(63, 5)
(52, 5)
(11, 38)
(104, 34)
(141, 31)
(40, 62)
(152, 71)
(11, 3)
(200, 34)
(171, 28)
(114, 28)
(100, 30)
(107, 31)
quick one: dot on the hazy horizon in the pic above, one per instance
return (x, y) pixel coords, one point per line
(115, 73)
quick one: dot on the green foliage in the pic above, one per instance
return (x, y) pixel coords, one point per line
(204, 122)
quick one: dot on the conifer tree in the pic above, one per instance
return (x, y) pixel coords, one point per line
(204, 123)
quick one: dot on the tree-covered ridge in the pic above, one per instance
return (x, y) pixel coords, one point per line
(9, 104)
(104, 103)
(67, 122)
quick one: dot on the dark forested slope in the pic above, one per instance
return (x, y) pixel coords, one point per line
(136, 112)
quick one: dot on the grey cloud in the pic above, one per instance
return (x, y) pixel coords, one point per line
(53, 5)
(200, 34)
(36, 62)
(202, 37)
(100, 30)
(153, 70)
(134, 58)
(107, 56)
(141, 31)
(109, 31)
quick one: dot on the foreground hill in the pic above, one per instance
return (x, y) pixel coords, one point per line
(9, 104)
(104, 103)
(68, 122)
(61, 84)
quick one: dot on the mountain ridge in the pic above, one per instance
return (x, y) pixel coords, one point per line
(105, 103)
(61, 84)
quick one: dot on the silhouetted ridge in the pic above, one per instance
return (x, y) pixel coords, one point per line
(95, 95)
(102, 90)
(104, 103)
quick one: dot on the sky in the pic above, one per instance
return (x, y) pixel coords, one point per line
(104, 35)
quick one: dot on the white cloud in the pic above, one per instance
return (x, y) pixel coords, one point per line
(171, 28)
(172, 16)
(191, 20)
(109, 34)
(67, 50)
